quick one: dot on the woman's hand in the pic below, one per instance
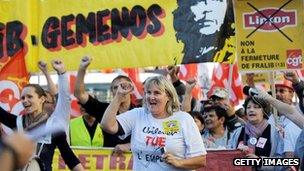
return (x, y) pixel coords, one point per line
(244, 148)
(250, 155)
(121, 148)
(187, 163)
(85, 62)
(43, 66)
(58, 66)
(172, 160)
(123, 90)
(190, 84)
(173, 72)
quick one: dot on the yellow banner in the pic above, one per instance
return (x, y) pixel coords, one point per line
(95, 159)
(15, 26)
(269, 34)
(118, 33)
(258, 78)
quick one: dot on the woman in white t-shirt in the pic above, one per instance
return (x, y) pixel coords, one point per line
(162, 136)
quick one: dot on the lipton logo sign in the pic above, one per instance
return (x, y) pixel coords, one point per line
(283, 18)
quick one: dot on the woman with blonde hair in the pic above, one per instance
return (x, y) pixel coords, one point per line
(162, 136)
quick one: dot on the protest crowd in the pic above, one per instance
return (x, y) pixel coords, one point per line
(169, 120)
(168, 123)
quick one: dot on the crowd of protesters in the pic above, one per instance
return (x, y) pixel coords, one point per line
(170, 125)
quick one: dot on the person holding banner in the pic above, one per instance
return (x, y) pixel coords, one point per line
(34, 100)
(162, 136)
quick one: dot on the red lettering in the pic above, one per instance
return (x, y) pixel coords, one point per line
(118, 160)
(155, 141)
(100, 161)
(130, 164)
(12, 36)
(148, 140)
(84, 160)
(161, 141)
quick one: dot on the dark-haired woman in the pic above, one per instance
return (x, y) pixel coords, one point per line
(257, 134)
(257, 138)
(35, 101)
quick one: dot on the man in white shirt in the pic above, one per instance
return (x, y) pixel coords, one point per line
(289, 132)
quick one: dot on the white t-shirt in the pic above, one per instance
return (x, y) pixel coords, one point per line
(291, 133)
(178, 134)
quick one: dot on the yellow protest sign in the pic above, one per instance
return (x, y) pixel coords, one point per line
(15, 25)
(269, 34)
(257, 78)
(95, 159)
(118, 33)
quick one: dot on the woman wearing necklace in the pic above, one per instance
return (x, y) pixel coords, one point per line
(35, 102)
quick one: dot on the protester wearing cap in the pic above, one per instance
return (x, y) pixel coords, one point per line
(298, 86)
(220, 96)
(284, 91)
(287, 129)
(291, 113)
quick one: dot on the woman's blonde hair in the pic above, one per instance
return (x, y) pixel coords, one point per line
(166, 86)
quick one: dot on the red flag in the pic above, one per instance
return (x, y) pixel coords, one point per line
(75, 110)
(220, 79)
(190, 71)
(13, 77)
(133, 74)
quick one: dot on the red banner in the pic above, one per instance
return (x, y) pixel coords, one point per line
(223, 160)
(102, 159)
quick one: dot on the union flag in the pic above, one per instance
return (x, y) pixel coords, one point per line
(13, 77)
(188, 71)
(220, 78)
